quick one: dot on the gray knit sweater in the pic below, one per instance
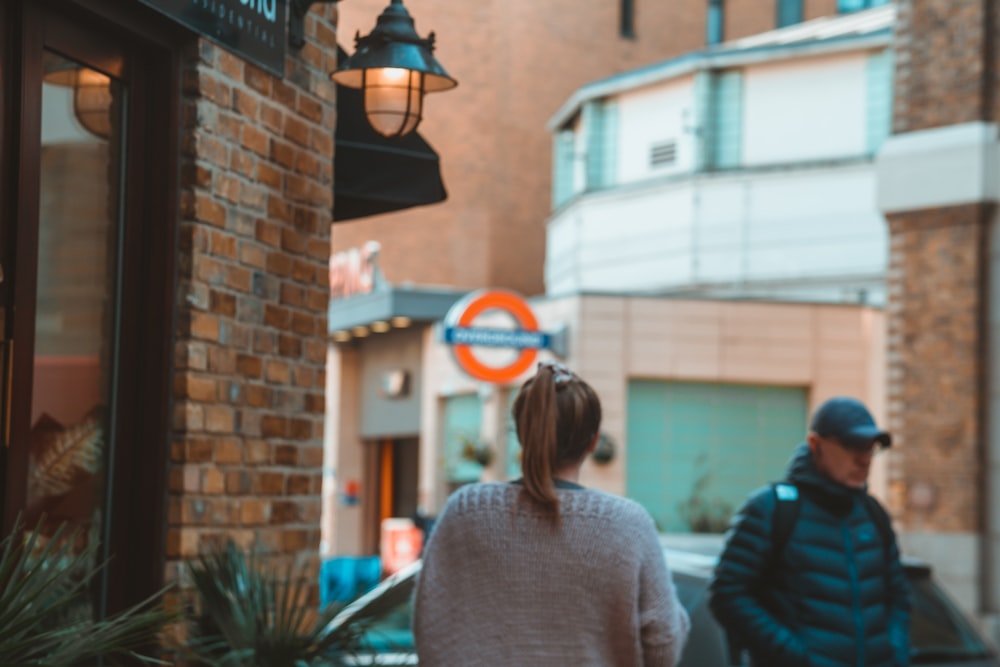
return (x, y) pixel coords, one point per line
(501, 586)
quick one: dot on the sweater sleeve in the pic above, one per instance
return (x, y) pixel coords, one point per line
(738, 575)
(663, 623)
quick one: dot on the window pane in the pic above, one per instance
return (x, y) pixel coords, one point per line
(714, 22)
(789, 12)
(725, 119)
(844, 6)
(938, 630)
(76, 298)
(462, 424)
(563, 166)
(879, 99)
(628, 18)
(600, 121)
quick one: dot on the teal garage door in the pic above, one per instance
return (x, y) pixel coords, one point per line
(695, 450)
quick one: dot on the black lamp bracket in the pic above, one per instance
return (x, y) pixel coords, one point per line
(297, 10)
(394, 24)
(382, 37)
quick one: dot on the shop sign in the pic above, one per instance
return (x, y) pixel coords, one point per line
(401, 543)
(461, 333)
(253, 29)
(354, 271)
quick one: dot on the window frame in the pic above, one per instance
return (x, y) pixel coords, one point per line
(788, 12)
(626, 26)
(715, 22)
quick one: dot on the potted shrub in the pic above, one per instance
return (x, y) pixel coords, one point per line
(248, 613)
(45, 606)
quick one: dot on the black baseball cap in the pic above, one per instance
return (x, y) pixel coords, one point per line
(848, 421)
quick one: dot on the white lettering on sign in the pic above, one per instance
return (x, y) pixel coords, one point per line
(353, 271)
(269, 8)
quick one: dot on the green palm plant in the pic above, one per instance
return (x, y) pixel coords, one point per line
(251, 615)
(45, 616)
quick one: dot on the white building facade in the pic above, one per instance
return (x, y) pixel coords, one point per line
(743, 171)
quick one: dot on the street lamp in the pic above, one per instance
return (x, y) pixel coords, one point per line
(394, 68)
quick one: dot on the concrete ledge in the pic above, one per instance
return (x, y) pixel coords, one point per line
(947, 166)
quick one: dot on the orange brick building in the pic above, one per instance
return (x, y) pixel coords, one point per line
(516, 62)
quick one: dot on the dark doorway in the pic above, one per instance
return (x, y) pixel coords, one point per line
(391, 486)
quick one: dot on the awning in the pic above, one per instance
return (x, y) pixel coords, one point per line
(414, 304)
(374, 174)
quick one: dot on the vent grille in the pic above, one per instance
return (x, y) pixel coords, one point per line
(663, 153)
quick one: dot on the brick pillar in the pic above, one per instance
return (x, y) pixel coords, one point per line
(257, 195)
(936, 268)
(935, 188)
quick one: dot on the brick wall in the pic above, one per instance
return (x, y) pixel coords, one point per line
(749, 17)
(256, 196)
(938, 278)
(943, 63)
(935, 283)
(812, 9)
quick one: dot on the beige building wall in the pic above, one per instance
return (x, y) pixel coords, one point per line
(828, 349)
(341, 524)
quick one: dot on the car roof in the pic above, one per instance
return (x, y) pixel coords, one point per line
(405, 576)
(694, 555)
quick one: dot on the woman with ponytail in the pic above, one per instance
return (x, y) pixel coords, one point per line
(542, 571)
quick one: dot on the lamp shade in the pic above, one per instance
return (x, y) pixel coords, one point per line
(92, 102)
(92, 96)
(394, 99)
(394, 67)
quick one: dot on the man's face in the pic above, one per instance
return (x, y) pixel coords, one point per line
(845, 465)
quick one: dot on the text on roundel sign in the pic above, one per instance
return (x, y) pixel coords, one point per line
(460, 333)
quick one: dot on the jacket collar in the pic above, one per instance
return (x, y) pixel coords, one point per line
(802, 472)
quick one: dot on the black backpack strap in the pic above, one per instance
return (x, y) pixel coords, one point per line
(786, 513)
(882, 521)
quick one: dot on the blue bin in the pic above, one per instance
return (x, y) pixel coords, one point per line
(343, 578)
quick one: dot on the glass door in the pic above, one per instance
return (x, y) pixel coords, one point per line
(87, 259)
(77, 309)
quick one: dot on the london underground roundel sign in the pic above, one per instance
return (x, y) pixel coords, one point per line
(461, 332)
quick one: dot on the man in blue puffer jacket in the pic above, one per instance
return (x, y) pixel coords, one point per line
(834, 594)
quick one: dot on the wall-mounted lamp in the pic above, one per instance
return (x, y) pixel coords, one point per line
(394, 68)
(91, 95)
(604, 452)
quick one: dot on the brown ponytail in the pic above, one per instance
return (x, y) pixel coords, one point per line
(557, 416)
